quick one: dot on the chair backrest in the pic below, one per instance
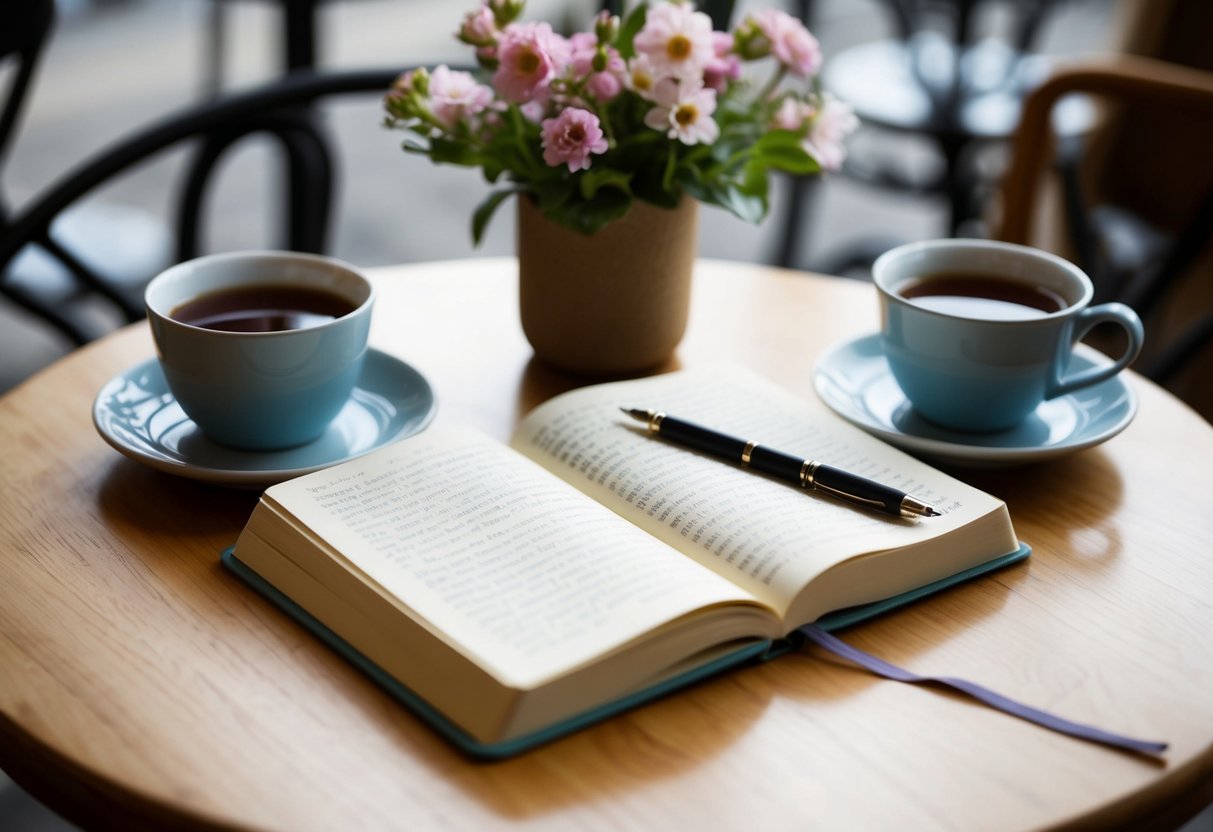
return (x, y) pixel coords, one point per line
(26, 26)
(280, 109)
(1173, 290)
(1119, 79)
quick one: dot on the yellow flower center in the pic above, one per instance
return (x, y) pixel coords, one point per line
(678, 48)
(642, 81)
(528, 62)
(686, 114)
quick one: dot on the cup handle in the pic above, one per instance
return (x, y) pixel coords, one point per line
(1116, 313)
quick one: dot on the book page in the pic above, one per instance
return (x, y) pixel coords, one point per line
(770, 537)
(496, 556)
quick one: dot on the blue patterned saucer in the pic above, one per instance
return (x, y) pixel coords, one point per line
(853, 379)
(136, 413)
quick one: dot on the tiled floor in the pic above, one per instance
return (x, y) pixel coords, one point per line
(118, 64)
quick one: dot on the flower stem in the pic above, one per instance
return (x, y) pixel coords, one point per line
(769, 90)
(605, 120)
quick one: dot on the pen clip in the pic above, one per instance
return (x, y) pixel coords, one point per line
(846, 496)
(808, 479)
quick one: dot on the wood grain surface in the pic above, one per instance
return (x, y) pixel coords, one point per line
(141, 685)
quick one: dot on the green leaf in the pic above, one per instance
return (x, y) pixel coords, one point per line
(782, 150)
(453, 152)
(552, 193)
(671, 165)
(647, 186)
(589, 216)
(751, 207)
(411, 145)
(699, 191)
(746, 201)
(595, 178)
(493, 169)
(484, 212)
(631, 25)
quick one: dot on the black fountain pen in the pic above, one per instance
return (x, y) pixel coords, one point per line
(803, 472)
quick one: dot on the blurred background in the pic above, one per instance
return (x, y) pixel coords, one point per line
(937, 84)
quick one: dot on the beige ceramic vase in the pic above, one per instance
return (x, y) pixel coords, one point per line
(611, 303)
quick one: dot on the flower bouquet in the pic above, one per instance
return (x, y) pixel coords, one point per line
(650, 107)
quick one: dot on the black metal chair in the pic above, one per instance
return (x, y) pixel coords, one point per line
(299, 45)
(936, 78)
(124, 239)
(26, 28)
(110, 238)
(281, 110)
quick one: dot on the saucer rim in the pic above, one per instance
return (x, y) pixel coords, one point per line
(244, 478)
(959, 451)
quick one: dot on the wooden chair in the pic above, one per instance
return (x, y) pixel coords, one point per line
(1171, 286)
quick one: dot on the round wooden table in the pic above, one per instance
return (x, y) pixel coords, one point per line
(140, 684)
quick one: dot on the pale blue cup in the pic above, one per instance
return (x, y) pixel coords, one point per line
(981, 375)
(260, 391)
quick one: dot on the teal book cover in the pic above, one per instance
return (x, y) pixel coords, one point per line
(751, 653)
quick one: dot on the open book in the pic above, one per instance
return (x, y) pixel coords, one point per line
(510, 594)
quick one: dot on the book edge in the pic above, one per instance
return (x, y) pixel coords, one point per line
(751, 653)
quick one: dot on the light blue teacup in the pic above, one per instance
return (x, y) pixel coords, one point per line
(260, 391)
(961, 368)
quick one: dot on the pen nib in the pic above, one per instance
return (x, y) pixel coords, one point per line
(917, 508)
(637, 413)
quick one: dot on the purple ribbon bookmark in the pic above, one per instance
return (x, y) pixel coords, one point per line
(995, 700)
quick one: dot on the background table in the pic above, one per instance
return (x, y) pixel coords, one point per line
(139, 680)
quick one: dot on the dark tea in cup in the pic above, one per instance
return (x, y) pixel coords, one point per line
(263, 308)
(989, 298)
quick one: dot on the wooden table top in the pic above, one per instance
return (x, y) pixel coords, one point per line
(140, 682)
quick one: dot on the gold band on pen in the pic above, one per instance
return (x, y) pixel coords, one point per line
(807, 473)
(747, 452)
(655, 418)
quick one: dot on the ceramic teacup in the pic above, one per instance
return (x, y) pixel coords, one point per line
(260, 390)
(981, 352)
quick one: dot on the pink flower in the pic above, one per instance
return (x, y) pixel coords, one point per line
(571, 137)
(529, 56)
(677, 39)
(834, 121)
(412, 81)
(791, 42)
(535, 109)
(603, 85)
(455, 95)
(582, 46)
(724, 66)
(407, 97)
(479, 28)
(792, 114)
(684, 111)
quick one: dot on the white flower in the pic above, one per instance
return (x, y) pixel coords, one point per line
(641, 76)
(834, 121)
(677, 39)
(684, 111)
